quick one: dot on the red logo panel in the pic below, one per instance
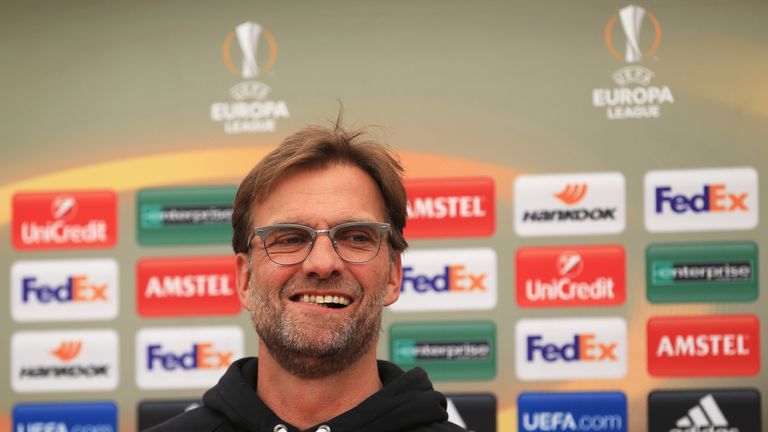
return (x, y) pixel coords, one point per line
(571, 276)
(450, 207)
(64, 220)
(186, 286)
(718, 345)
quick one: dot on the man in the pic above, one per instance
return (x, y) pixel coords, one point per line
(318, 233)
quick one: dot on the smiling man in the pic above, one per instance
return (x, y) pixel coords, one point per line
(318, 233)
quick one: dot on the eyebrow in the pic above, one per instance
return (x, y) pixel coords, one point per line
(343, 221)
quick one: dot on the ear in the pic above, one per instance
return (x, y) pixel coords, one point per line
(394, 280)
(243, 279)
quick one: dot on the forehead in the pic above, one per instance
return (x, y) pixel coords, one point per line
(321, 198)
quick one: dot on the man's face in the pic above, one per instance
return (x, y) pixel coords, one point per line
(309, 339)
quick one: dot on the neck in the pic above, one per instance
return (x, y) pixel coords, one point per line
(307, 402)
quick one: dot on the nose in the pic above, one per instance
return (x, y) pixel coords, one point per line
(323, 261)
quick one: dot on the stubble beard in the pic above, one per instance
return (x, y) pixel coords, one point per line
(303, 349)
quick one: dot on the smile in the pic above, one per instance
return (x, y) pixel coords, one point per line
(329, 301)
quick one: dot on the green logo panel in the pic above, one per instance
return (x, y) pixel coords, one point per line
(702, 272)
(170, 216)
(446, 350)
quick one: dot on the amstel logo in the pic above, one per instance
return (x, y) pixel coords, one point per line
(248, 35)
(632, 18)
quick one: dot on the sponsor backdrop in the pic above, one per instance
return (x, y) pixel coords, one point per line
(584, 184)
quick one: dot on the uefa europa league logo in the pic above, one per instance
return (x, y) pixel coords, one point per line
(248, 35)
(631, 20)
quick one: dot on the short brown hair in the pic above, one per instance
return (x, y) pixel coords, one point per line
(317, 147)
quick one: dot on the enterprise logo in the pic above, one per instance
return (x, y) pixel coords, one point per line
(184, 215)
(571, 276)
(719, 345)
(63, 361)
(446, 350)
(450, 207)
(581, 411)
(569, 204)
(64, 290)
(701, 200)
(702, 272)
(736, 410)
(194, 357)
(64, 220)
(447, 279)
(550, 349)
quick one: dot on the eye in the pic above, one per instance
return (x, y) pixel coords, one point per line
(288, 238)
(356, 235)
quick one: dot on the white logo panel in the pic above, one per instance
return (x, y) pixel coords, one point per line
(701, 200)
(570, 204)
(64, 361)
(64, 290)
(448, 280)
(185, 357)
(574, 348)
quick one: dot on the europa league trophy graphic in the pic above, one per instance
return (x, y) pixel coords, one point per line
(248, 36)
(631, 20)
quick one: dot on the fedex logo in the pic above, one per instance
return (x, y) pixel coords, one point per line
(701, 200)
(64, 220)
(194, 357)
(186, 286)
(720, 345)
(64, 290)
(583, 347)
(447, 279)
(76, 289)
(450, 207)
(199, 356)
(713, 198)
(572, 276)
(550, 349)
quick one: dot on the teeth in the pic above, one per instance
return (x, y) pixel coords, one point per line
(323, 300)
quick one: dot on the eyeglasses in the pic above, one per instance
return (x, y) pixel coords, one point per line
(287, 244)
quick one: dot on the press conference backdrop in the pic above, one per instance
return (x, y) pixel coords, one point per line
(584, 183)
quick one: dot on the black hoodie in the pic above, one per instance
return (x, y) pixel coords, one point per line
(407, 402)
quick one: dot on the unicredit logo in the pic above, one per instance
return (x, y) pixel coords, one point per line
(450, 207)
(717, 345)
(591, 275)
(186, 286)
(64, 220)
